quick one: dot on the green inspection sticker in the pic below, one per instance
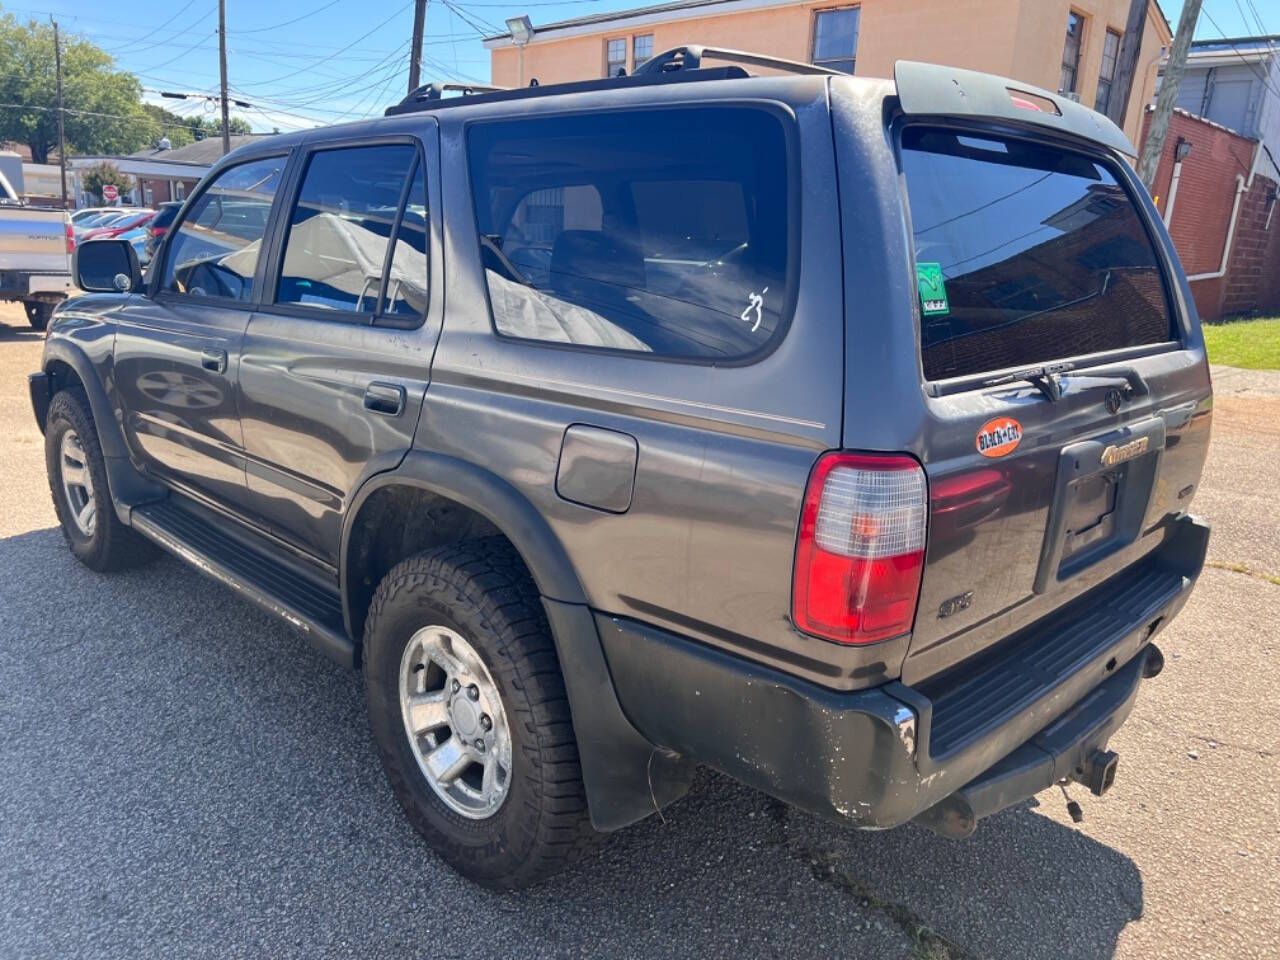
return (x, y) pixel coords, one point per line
(933, 288)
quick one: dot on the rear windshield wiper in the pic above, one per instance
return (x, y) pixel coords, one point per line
(1044, 377)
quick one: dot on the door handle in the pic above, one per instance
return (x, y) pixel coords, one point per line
(384, 398)
(215, 360)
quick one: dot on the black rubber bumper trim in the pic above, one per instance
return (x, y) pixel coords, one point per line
(854, 757)
(1049, 757)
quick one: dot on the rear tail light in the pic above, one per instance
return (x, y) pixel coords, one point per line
(71, 239)
(860, 552)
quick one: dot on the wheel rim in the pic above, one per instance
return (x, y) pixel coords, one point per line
(455, 722)
(77, 484)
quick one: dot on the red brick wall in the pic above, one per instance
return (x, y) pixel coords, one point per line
(1202, 215)
(162, 189)
(1252, 283)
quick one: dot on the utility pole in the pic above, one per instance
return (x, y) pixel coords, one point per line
(1154, 144)
(415, 52)
(222, 65)
(1127, 62)
(62, 134)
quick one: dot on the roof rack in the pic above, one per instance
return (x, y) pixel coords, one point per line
(418, 100)
(436, 91)
(690, 57)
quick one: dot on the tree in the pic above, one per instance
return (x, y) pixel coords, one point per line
(182, 130)
(102, 173)
(95, 95)
(104, 109)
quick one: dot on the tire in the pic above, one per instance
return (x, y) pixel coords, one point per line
(38, 313)
(104, 544)
(481, 591)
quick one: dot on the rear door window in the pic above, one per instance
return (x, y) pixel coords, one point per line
(339, 230)
(666, 232)
(1025, 254)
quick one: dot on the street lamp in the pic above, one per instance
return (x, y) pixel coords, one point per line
(521, 33)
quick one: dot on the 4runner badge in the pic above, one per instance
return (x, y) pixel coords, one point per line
(999, 437)
(1126, 451)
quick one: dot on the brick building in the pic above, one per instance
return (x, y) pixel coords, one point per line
(1222, 215)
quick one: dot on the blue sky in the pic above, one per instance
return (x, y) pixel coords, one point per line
(303, 62)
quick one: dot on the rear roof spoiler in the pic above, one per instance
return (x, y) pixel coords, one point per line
(933, 90)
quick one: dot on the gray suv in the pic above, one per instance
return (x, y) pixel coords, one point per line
(835, 433)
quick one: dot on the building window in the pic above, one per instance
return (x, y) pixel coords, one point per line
(180, 190)
(615, 57)
(1071, 53)
(641, 50)
(1107, 75)
(835, 39)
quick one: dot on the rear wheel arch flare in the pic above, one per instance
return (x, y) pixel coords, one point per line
(431, 500)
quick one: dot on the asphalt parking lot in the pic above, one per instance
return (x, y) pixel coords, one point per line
(180, 775)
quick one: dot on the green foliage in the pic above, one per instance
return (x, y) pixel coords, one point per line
(90, 86)
(184, 130)
(104, 109)
(1244, 343)
(93, 179)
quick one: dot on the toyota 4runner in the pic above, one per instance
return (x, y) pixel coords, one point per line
(836, 433)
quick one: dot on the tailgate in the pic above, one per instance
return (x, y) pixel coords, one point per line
(1067, 419)
(33, 241)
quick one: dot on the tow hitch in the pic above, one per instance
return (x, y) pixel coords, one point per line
(1098, 772)
(1071, 749)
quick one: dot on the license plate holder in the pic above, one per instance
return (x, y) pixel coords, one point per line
(1102, 491)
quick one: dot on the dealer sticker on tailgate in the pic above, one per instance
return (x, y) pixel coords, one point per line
(999, 437)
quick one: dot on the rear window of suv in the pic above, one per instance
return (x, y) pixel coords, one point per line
(662, 232)
(1024, 254)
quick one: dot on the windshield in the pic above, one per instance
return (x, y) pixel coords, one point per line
(1024, 254)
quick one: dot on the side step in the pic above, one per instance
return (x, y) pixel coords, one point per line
(253, 567)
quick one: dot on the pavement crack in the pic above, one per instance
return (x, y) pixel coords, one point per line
(928, 943)
(1244, 568)
(825, 867)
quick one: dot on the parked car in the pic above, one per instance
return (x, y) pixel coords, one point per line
(119, 225)
(100, 219)
(35, 255)
(136, 238)
(837, 433)
(85, 214)
(159, 226)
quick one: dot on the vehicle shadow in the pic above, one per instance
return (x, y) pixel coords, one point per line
(184, 771)
(14, 332)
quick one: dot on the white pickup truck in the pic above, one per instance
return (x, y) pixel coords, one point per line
(35, 255)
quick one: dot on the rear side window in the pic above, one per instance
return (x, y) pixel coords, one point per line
(336, 247)
(664, 232)
(1024, 254)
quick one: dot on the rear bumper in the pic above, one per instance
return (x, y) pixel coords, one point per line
(880, 757)
(18, 285)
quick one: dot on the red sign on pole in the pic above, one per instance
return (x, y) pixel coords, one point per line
(110, 193)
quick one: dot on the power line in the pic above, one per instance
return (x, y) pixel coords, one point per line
(285, 23)
(331, 56)
(183, 9)
(1243, 59)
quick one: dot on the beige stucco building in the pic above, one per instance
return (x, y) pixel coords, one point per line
(1055, 44)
